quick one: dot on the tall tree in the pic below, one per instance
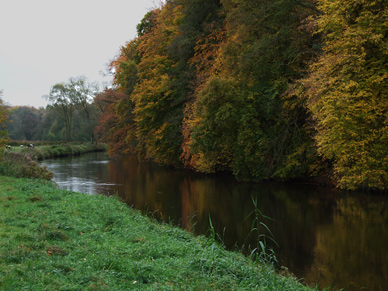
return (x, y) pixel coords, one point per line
(63, 101)
(265, 49)
(24, 123)
(117, 126)
(114, 127)
(347, 91)
(83, 93)
(158, 103)
(66, 98)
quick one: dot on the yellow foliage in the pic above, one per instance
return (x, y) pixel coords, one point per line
(347, 91)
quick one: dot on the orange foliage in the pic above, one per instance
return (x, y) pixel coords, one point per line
(112, 128)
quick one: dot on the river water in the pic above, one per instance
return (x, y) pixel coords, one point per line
(324, 236)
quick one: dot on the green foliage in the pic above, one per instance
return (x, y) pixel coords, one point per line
(67, 98)
(261, 252)
(214, 134)
(146, 24)
(250, 126)
(24, 123)
(42, 152)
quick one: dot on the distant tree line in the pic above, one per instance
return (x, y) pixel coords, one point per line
(70, 115)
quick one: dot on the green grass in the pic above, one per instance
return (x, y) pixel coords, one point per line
(53, 239)
(45, 151)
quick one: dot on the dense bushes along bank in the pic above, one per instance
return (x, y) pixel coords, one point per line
(19, 162)
(54, 239)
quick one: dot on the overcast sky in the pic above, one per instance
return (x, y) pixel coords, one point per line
(44, 42)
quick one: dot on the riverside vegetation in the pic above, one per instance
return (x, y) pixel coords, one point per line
(281, 89)
(54, 239)
(19, 162)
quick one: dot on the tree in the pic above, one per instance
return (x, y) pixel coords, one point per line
(63, 101)
(84, 93)
(158, 110)
(66, 98)
(242, 119)
(114, 127)
(347, 91)
(24, 123)
(147, 23)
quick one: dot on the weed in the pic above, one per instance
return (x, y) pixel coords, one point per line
(261, 252)
(212, 234)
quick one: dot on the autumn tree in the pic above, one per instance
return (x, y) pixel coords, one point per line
(116, 125)
(241, 105)
(154, 74)
(207, 83)
(113, 128)
(347, 91)
(158, 103)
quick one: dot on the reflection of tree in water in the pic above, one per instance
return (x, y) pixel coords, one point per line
(323, 236)
(229, 203)
(353, 250)
(148, 187)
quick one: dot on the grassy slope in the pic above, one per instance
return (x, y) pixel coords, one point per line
(52, 239)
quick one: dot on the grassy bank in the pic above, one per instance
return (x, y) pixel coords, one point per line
(44, 150)
(52, 151)
(52, 239)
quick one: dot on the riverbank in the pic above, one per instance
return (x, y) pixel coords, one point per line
(53, 239)
(20, 161)
(67, 149)
(47, 150)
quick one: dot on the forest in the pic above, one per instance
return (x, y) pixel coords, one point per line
(282, 89)
(70, 115)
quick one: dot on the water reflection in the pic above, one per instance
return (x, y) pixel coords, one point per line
(324, 236)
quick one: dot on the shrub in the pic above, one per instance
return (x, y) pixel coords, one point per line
(18, 164)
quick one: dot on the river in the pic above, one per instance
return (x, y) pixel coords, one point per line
(323, 236)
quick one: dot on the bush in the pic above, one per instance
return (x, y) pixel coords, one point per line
(17, 164)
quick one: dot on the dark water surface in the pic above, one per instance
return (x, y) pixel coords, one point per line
(324, 236)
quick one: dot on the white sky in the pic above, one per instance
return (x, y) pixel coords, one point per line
(44, 42)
